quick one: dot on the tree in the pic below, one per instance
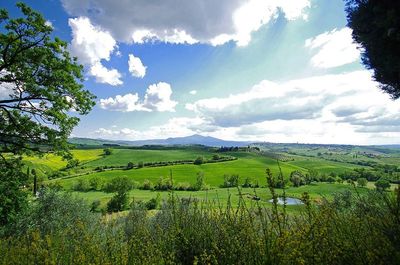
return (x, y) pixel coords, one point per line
(199, 160)
(200, 184)
(382, 184)
(297, 178)
(118, 202)
(43, 84)
(130, 165)
(362, 182)
(12, 198)
(107, 151)
(376, 27)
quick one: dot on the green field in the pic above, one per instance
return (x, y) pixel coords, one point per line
(121, 157)
(248, 164)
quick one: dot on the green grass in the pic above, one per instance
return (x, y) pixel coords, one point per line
(322, 166)
(248, 165)
(121, 157)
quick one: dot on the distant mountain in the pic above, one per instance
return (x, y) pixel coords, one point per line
(188, 140)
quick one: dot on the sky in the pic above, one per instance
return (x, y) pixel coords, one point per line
(254, 70)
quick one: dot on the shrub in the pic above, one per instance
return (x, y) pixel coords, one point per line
(247, 183)
(362, 182)
(72, 163)
(94, 183)
(199, 160)
(183, 186)
(107, 151)
(130, 165)
(118, 202)
(297, 178)
(330, 179)
(118, 183)
(231, 181)
(382, 184)
(163, 184)
(140, 164)
(94, 206)
(153, 203)
(81, 185)
(200, 184)
(147, 185)
(216, 157)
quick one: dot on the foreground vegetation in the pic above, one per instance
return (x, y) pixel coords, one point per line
(351, 229)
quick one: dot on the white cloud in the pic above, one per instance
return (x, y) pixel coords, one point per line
(205, 21)
(125, 103)
(341, 108)
(296, 99)
(136, 66)
(193, 92)
(175, 127)
(334, 48)
(157, 98)
(103, 75)
(91, 45)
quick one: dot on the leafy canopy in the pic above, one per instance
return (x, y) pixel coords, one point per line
(40, 84)
(376, 27)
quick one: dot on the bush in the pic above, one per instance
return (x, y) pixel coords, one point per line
(107, 151)
(382, 184)
(140, 164)
(216, 157)
(147, 185)
(72, 163)
(362, 182)
(297, 178)
(118, 202)
(81, 185)
(94, 206)
(200, 183)
(118, 183)
(183, 186)
(164, 184)
(231, 181)
(94, 183)
(153, 203)
(330, 179)
(247, 183)
(130, 165)
(199, 160)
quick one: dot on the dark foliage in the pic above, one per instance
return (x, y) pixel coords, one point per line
(376, 27)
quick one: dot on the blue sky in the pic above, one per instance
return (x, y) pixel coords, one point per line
(262, 70)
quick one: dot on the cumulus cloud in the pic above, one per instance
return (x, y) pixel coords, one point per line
(334, 48)
(174, 127)
(292, 100)
(173, 21)
(104, 75)
(92, 45)
(342, 108)
(157, 98)
(136, 66)
(193, 92)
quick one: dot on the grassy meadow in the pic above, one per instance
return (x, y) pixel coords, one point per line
(249, 164)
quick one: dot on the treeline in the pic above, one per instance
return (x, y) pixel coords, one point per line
(124, 182)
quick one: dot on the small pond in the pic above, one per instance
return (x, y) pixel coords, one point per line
(289, 201)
